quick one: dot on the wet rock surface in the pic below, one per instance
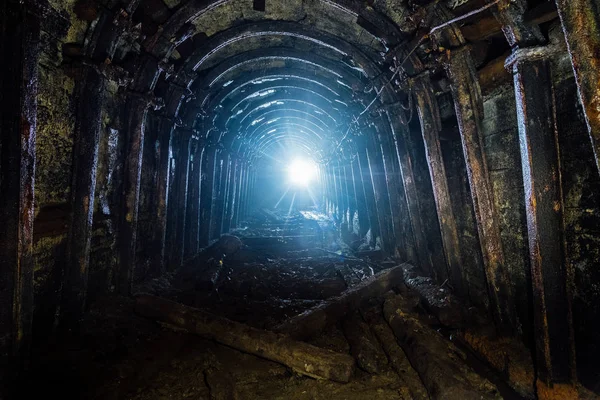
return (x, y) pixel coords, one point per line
(120, 355)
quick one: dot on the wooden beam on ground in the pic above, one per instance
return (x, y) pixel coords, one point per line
(397, 358)
(301, 357)
(363, 346)
(435, 358)
(313, 321)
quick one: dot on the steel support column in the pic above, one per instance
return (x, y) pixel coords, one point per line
(380, 190)
(19, 51)
(421, 233)
(429, 118)
(581, 25)
(163, 182)
(206, 193)
(405, 241)
(137, 109)
(551, 273)
(468, 105)
(193, 202)
(369, 194)
(217, 207)
(83, 188)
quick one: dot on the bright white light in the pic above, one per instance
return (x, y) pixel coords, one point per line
(302, 172)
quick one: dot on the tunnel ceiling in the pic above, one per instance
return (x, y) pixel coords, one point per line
(258, 76)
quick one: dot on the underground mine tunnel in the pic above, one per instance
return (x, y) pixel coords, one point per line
(300, 199)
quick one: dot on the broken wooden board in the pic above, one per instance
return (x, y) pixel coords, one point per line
(436, 299)
(363, 346)
(372, 314)
(301, 357)
(438, 361)
(313, 321)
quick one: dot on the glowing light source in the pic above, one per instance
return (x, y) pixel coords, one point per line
(302, 172)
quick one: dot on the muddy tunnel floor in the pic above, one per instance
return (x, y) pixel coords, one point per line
(274, 269)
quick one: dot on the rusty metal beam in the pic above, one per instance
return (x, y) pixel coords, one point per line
(346, 218)
(511, 17)
(228, 223)
(581, 25)
(225, 223)
(83, 188)
(182, 172)
(216, 219)
(551, 273)
(468, 106)
(486, 27)
(368, 184)
(193, 202)
(242, 195)
(361, 202)
(429, 261)
(163, 182)
(137, 110)
(176, 219)
(381, 194)
(250, 191)
(404, 239)
(428, 111)
(239, 186)
(19, 50)
(206, 193)
(352, 211)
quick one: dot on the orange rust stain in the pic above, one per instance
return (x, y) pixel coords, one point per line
(556, 391)
(556, 206)
(505, 355)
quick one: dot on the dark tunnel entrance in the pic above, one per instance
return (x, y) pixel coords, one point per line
(300, 199)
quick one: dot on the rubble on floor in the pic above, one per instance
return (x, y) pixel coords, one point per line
(356, 319)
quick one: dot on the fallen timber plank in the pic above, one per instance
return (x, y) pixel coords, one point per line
(437, 300)
(313, 321)
(437, 360)
(303, 358)
(373, 315)
(363, 346)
